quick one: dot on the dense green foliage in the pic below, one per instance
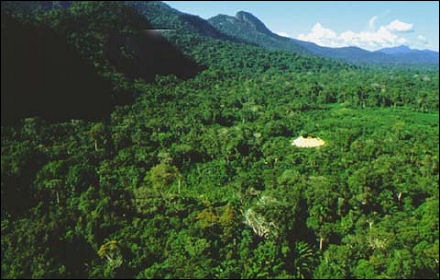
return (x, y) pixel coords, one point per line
(198, 178)
(162, 16)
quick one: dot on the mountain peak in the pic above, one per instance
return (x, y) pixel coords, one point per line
(252, 21)
(243, 14)
(395, 50)
(402, 48)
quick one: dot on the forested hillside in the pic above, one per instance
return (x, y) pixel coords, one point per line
(191, 172)
(251, 30)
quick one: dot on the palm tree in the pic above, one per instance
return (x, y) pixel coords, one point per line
(302, 260)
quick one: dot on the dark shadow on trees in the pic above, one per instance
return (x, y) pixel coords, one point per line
(148, 54)
(42, 75)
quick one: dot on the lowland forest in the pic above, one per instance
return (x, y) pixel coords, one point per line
(138, 141)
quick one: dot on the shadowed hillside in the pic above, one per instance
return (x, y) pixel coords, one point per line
(42, 75)
(146, 55)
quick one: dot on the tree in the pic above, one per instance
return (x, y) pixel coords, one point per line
(303, 260)
(111, 251)
(162, 176)
(98, 134)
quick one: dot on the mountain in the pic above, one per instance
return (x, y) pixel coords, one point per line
(411, 55)
(159, 14)
(252, 22)
(246, 28)
(162, 16)
(350, 54)
(250, 29)
(395, 50)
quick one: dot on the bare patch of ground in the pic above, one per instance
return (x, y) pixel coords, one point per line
(309, 142)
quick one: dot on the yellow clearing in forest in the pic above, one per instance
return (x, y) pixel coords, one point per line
(309, 142)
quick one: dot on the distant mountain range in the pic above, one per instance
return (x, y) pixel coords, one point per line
(411, 55)
(246, 28)
(395, 50)
(249, 28)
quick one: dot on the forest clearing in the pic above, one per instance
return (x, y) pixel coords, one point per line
(308, 142)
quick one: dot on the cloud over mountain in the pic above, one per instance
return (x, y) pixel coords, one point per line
(385, 36)
(400, 26)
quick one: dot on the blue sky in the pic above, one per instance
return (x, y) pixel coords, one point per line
(370, 25)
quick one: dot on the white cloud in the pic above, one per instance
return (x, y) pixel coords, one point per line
(422, 39)
(284, 34)
(385, 36)
(422, 42)
(372, 21)
(400, 26)
(321, 36)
